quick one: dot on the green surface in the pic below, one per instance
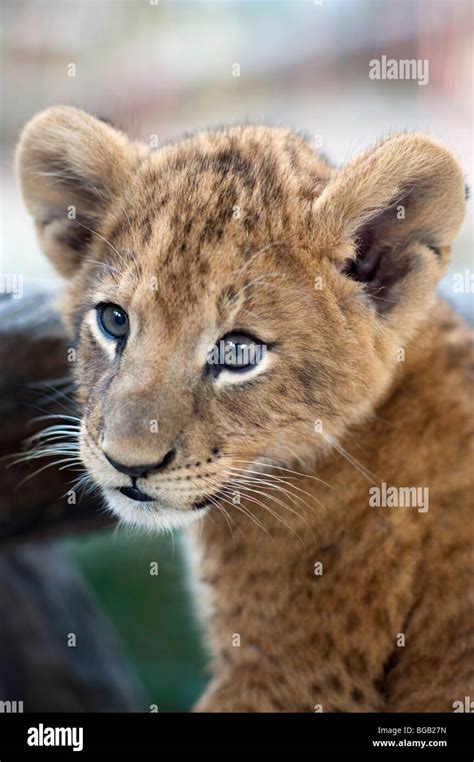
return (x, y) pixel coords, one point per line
(152, 614)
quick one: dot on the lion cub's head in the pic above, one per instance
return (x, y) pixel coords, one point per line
(234, 300)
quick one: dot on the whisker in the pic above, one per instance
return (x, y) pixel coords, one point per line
(267, 508)
(105, 265)
(258, 279)
(247, 489)
(280, 480)
(215, 502)
(62, 428)
(56, 415)
(239, 507)
(48, 465)
(91, 230)
(350, 459)
(35, 454)
(295, 499)
(226, 516)
(302, 474)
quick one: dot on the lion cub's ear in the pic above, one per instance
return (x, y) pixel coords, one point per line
(389, 217)
(70, 167)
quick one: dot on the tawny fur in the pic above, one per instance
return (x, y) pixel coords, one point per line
(248, 228)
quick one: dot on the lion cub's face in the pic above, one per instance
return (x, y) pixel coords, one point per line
(217, 322)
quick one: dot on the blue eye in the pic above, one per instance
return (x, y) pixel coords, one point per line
(113, 321)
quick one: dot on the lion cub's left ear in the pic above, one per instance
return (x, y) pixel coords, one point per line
(388, 219)
(71, 166)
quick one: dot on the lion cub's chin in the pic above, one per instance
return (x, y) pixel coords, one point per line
(153, 516)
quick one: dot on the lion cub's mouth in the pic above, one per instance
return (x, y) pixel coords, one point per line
(136, 494)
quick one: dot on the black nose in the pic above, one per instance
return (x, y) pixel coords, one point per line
(135, 471)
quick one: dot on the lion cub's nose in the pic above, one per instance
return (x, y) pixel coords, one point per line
(136, 471)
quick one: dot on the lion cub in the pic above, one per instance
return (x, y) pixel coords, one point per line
(261, 356)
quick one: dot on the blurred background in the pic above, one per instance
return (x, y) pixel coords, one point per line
(159, 67)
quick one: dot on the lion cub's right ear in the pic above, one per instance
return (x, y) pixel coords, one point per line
(71, 166)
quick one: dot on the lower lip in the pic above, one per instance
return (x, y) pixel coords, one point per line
(135, 494)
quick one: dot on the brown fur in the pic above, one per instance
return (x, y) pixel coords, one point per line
(247, 228)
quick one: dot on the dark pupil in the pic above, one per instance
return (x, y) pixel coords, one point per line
(119, 318)
(239, 354)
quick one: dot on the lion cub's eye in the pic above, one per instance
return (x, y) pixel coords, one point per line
(113, 320)
(236, 352)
